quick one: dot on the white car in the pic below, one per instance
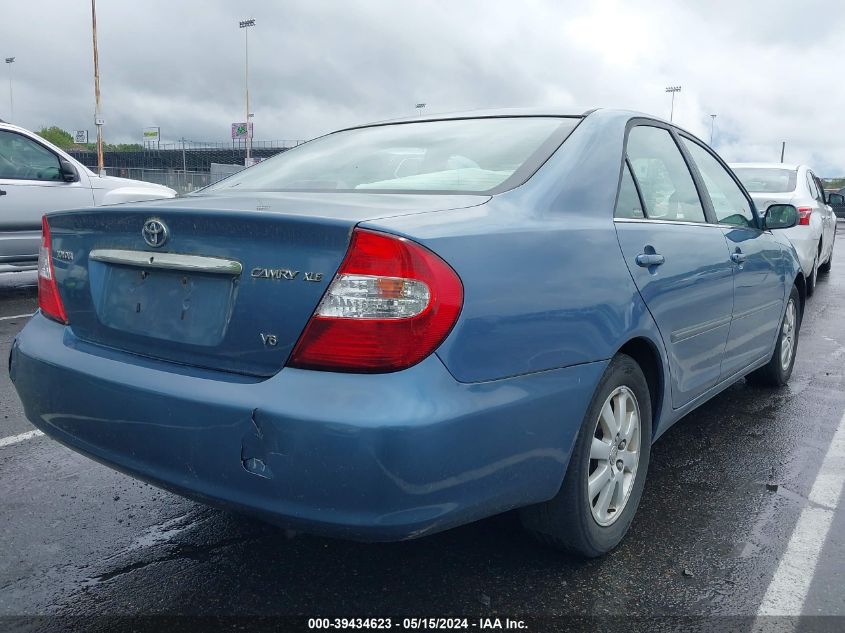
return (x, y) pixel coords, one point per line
(813, 236)
(37, 177)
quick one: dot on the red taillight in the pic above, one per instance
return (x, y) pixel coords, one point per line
(804, 214)
(49, 300)
(390, 305)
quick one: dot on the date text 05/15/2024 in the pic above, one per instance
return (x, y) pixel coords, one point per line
(416, 624)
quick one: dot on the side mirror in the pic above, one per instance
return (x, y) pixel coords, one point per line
(780, 216)
(835, 199)
(68, 171)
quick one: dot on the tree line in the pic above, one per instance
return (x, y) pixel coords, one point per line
(64, 139)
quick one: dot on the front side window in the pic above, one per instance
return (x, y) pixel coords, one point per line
(484, 155)
(729, 203)
(666, 184)
(22, 158)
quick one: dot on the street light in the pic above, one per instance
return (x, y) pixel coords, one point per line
(673, 90)
(419, 108)
(712, 123)
(10, 61)
(246, 24)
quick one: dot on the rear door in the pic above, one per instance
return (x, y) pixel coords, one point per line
(829, 227)
(679, 262)
(758, 270)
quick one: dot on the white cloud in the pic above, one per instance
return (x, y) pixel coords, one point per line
(767, 68)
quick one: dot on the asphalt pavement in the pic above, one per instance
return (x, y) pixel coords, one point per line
(741, 521)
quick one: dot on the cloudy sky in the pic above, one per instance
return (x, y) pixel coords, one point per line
(771, 70)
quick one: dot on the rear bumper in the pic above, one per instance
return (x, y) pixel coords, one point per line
(807, 247)
(371, 457)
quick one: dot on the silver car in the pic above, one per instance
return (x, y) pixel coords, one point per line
(813, 236)
(37, 177)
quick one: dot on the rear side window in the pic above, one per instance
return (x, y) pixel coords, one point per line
(628, 205)
(666, 185)
(811, 186)
(815, 190)
(729, 203)
(820, 186)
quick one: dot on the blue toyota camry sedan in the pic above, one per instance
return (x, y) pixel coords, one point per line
(402, 327)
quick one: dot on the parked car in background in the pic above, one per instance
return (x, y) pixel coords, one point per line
(37, 177)
(509, 321)
(813, 237)
(836, 200)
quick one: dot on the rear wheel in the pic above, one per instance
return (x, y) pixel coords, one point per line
(607, 469)
(825, 268)
(777, 371)
(813, 276)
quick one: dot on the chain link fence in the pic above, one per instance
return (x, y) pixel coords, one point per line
(184, 166)
(182, 181)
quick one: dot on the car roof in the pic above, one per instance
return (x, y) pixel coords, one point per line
(507, 112)
(11, 126)
(791, 166)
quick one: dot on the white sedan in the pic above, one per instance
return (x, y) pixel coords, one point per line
(37, 177)
(813, 236)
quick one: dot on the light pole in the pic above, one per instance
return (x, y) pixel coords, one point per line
(98, 119)
(419, 108)
(184, 166)
(673, 90)
(246, 24)
(10, 61)
(712, 123)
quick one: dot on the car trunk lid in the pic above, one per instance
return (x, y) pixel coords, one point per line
(225, 283)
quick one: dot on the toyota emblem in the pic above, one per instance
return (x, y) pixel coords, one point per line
(154, 232)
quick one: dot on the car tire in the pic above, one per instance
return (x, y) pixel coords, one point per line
(825, 268)
(777, 371)
(812, 277)
(588, 525)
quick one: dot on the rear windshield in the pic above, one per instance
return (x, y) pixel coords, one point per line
(767, 179)
(484, 155)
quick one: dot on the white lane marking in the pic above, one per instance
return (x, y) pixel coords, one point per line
(17, 316)
(789, 587)
(14, 439)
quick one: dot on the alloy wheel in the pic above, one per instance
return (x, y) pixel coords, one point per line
(787, 335)
(614, 456)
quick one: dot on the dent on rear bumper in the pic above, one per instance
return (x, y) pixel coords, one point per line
(375, 457)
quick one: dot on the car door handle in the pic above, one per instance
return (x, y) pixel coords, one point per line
(649, 259)
(2, 193)
(738, 258)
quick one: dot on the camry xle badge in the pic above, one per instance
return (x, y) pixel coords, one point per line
(274, 273)
(154, 232)
(284, 273)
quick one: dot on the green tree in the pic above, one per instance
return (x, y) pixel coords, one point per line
(57, 136)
